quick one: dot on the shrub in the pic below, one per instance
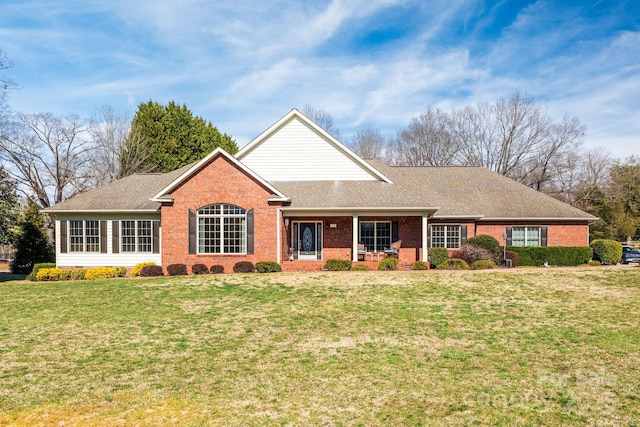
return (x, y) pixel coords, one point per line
(96, 273)
(608, 252)
(335, 264)
(177, 270)
(454, 264)
(513, 256)
(121, 271)
(66, 274)
(437, 256)
(268, 267)
(78, 273)
(360, 267)
(489, 243)
(151, 271)
(136, 270)
(483, 264)
(217, 269)
(553, 255)
(32, 276)
(244, 267)
(419, 265)
(472, 253)
(388, 264)
(48, 274)
(594, 263)
(199, 269)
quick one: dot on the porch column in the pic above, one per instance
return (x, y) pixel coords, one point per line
(354, 249)
(425, 254)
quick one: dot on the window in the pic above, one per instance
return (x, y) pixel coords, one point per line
(222, 229)
(136, 236)
(525, 236)
(375, 235)
(446, 236)
(84, 236)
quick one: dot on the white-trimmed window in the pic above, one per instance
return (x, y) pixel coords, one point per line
(376, 235)
(136, 236)
(222, 229)
(84, 236)
(526, 236)
(447, 236)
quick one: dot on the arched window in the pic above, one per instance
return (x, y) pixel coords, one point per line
(222, 229)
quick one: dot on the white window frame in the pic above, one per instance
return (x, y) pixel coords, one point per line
(448, 239)
(378, 244)
(140, 241)
(528, 241)
(84, 236)
(223, 220)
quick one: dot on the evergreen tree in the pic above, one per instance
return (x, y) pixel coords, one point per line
(32, 245)
(9, 207)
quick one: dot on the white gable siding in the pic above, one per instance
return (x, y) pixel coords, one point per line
(296, 152)
(96, 259)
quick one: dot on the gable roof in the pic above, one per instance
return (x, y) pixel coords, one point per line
(164, 194)
(309, 151)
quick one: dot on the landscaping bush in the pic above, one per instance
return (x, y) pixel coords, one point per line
(151, 271)
(553, 255)
(489, 243)
(177, 270)
(594, 263)
(472, 253)
(96, 273)
(437, 256)
(360, 267)
(199, 269)
(268, 267)
(48, 274)
(454, 264)
(32, 276)
(513, 256)
(121, 271)
(244, 267)
(334, 264)
(388, 264)
(483, 264)
(78, 273)
(216, 269)
(608, 252)
(136, 270)
(419, 265)
(66, 274)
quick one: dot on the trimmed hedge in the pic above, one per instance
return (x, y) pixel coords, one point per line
(388, 264)
(121, 271)
(268, 267)
(483, 264)
(454, 264)
(96, 273)
(32, 276)
(151, 271)
(216, 269)
(244, 267)
(360, 267)
(137, 269)
(437, 256)
(419, 265)
(608, 252)
(48, 274)
(177, 270)
(334, 264)
(554, 255)
(199, 269)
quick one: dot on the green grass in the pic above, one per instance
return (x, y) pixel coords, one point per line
(504, 348)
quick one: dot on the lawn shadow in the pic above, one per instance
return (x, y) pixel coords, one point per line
(10, 277)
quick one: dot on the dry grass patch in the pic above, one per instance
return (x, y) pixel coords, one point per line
(526, 347)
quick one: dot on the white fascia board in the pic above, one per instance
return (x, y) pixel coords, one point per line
(102, 211)
(158, 197)
(339, 145)
(560, 219)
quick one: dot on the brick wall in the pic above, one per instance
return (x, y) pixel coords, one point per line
(558, 234)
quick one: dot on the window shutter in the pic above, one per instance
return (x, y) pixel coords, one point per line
(509, 236)
(463, 234)
(63, 237)
(193, 241)
(156, 237)
(394, 231)
(543, 236)
(115, 237)
(429, 237)
(103, 237)
(250, 235)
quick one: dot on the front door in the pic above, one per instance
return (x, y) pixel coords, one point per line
(307, 240)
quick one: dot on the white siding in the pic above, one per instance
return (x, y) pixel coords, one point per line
(296, 152)
(96, 259)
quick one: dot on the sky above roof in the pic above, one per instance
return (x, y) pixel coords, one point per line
(371, 64)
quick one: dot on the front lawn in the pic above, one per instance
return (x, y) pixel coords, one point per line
(520, 347)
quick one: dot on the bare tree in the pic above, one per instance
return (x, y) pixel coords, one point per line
(134, 155)
(5, 84)
(47, 156)
(370, 144)
(108, 131)
(323, 119)
(427, 141)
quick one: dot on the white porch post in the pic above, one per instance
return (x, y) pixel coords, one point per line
(425, 254)
(354, 250)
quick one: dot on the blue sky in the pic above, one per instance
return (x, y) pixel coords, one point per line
(244, 64)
